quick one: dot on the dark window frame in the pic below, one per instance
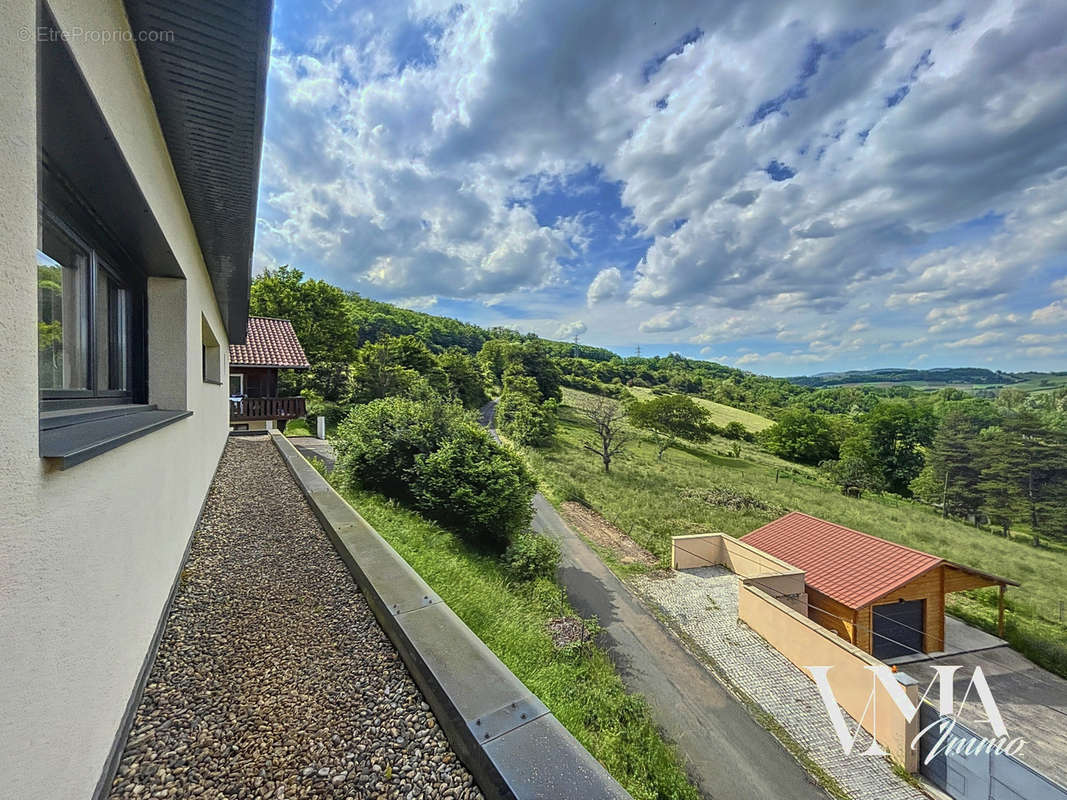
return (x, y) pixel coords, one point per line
(60, 206)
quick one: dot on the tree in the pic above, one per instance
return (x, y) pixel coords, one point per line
(894, 433)
(466, 380)
(609, 428)
(802, 435)
(494, 358)
(317, 310)
(532, 358)
(670, 417)
(522, 415)
(392, 366)
(1024, 472)
(951, 474)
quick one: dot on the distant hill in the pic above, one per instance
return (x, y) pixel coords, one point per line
(943, 376)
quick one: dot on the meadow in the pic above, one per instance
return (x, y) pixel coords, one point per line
(718, 413)
(579, 684)
(644, 497)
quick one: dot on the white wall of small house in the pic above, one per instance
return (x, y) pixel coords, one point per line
(88, 554)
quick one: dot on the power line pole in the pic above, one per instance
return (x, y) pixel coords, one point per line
(638, 351)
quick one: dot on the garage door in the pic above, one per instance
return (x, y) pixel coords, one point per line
(898, 628)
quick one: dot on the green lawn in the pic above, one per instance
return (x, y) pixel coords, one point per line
(642, 496)
(719, 414)
(581, 687)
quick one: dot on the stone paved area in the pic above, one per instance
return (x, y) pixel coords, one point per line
(704, 603)
(273, 679)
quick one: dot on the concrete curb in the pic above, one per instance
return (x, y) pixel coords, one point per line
(515, 748)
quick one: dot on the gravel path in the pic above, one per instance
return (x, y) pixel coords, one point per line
(273, 679)
(704, 602)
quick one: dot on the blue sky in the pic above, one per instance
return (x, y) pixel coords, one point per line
(785, 187)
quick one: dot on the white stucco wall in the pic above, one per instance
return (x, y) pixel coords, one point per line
(88, 555)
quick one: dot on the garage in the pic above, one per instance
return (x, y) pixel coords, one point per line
(898, 628)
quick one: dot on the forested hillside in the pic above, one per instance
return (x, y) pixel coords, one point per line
(1000, 460)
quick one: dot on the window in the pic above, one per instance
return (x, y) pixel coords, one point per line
(88, 312)
(211, 354)
(237, 385)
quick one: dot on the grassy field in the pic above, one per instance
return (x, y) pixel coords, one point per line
(721, 415)
(643, 497)
(580, 687)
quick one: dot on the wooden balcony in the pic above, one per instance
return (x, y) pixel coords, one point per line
(261, 408)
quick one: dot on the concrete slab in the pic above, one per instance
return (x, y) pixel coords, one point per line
(960, 638)
(1032, 701)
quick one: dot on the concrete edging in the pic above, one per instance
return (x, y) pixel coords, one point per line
(512, 745)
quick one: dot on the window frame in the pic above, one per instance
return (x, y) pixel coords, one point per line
(61, 209)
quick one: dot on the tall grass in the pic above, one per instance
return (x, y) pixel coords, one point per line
(642, 497)
(580, 686)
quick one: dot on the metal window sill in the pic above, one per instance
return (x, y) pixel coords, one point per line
(73, 436)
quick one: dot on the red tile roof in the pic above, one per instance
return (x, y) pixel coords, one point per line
(270, 343)
(851, 567)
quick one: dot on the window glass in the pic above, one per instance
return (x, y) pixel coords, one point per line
(62, 311)
(237, 385)
(112, 331)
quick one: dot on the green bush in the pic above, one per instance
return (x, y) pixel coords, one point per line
(531, 556)
(475, 487)
(425, 452)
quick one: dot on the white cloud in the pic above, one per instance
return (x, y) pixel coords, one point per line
(1053, 313)
(666, 322)
(569, 330)
(607, 285)
(924, 163)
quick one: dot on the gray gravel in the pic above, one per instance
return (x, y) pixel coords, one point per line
(273, 678)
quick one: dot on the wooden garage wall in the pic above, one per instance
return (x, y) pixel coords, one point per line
(929, 586)
(832, 615)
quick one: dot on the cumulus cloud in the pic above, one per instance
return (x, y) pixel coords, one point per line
(1052, 314)
(607, 285)
(568, 330)
(785, 166)
(666, 322)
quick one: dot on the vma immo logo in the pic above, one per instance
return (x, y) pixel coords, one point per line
(948, 741)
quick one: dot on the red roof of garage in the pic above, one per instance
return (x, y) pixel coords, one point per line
(851, 567)
(270, 343)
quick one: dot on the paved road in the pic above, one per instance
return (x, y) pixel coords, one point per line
(310, 447)
(726, 751)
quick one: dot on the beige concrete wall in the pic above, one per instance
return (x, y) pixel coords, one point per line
(806, 643)
(752, 565)
(88, 555)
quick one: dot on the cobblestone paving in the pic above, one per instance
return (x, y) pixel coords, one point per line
(704, 603)
(273, 679)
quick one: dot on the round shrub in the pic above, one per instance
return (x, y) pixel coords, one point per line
(474, 486)
(531, 556)
(425, 452)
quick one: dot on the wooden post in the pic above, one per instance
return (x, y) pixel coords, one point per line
(1000, 612)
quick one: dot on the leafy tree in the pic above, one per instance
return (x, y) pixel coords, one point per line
(494, 357)
(738, 432)
(670, 417)
(894, 433)
(609, 428)
(317, 310)
(522, 415)
(802, 435)
(532, 358)
(951, 475)
(392, 366)
(466, 380)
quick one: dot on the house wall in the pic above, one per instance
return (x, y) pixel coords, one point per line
(806, 643)
(834, 616)
(259, 381)
(88, 555)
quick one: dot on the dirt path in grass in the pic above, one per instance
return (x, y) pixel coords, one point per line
(599, 531)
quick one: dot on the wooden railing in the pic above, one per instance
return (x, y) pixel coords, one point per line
(252, 408)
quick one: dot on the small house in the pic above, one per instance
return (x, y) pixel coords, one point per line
(270, 345)
(883, 597)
